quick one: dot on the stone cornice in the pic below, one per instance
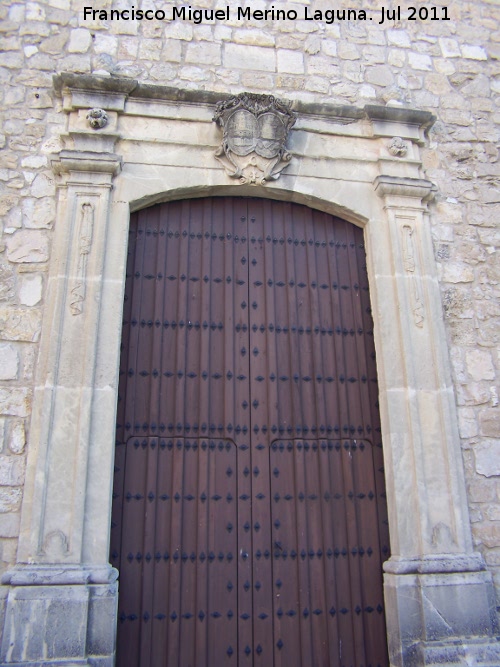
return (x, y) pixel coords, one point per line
(393, 114)
(120, 89)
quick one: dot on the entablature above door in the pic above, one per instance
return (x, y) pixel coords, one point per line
(169, 128)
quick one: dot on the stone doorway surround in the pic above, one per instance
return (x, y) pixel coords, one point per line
(155, 144)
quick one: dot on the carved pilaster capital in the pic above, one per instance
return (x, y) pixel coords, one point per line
(416, 188)
(77, 161)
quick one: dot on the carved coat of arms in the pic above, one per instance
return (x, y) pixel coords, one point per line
(255, 129)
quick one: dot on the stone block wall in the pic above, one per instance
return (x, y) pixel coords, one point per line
(451, 68)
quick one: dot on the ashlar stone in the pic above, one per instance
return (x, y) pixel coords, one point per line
(291, 62)
(35, 11)
(456, 272)
(209, 54)
(399, 38)
(473, 393)
(222, 33)
(9, 362)
(449, 47)
(43, 186)
(487, 535)
(479, 365)
(172, 50)
(467, 423)
(38, 213)
(396, 58)
(12, 470)
(157, 72)
(255, 80)
(480, 86)
(486, 216)
(34, 161)
(30, 289)
(367, 92)
(323, 67)
(457, 303)
(489, 421)
(15, 402)
(487, 456)
(105, 44)
(128, 47)
(20, 324)
(420, 61)
(7, 283)
(17, 12)
(313, 44)
(54, 45)
(149, 49)
(380, 75)
(17, 438)
(10, 499)
(481, 490)
(179, 30)
(194, 74)
(473, 52)
(354, 71)
(317, 84)
(329, 47)
(28, 246)
(9, 524)
(80, 40)
(348, 51)
(239, 56)
(493, 514)
(9, 44)
(253, 37)
(13, 220)
(7, 202)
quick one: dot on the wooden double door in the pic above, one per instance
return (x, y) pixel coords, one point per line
(249, 519)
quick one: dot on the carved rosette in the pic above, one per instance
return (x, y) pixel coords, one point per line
(97, 118)
(255, 129)
(398, 147)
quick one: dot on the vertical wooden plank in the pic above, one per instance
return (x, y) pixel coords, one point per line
(241, 218)
(260, 270)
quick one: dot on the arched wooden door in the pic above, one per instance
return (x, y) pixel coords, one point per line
(249, 522)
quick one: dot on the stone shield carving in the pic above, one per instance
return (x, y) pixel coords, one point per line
(255, 129)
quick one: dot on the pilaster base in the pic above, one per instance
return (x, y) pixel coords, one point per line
(60, 617)
(441, 618)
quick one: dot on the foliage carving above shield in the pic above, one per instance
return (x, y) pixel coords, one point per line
(255, 129)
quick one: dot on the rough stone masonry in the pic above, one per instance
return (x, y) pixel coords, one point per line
(449, 67)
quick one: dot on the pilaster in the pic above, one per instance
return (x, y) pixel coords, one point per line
(436, 587)
(61, 607)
